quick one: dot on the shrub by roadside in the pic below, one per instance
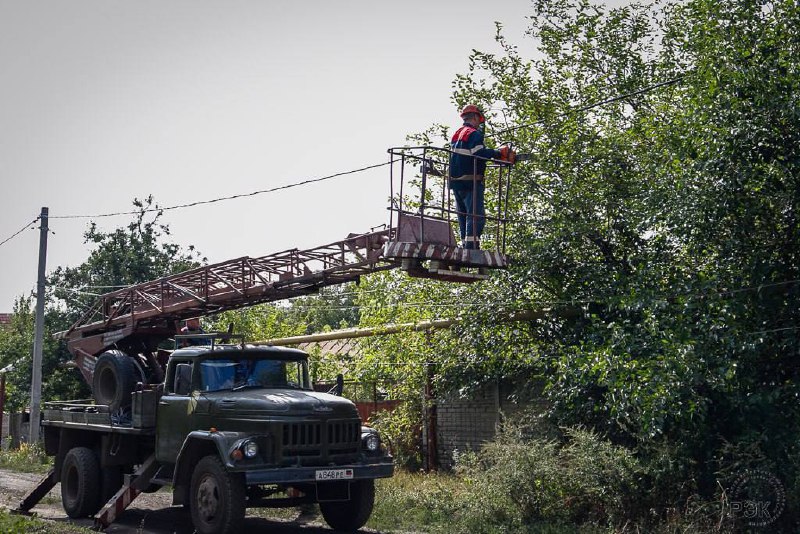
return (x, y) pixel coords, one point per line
(534, 481)
(518, 480)
(28, 458)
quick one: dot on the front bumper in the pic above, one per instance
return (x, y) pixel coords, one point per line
(296, 475)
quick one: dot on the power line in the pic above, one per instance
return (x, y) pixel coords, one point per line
(15, 234)
(76, 291)
(598, 104)
(354, 171)
(220, 199)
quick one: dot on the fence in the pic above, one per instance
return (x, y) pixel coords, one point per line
(367, 396)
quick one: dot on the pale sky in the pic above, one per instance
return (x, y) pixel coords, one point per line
(102, 101)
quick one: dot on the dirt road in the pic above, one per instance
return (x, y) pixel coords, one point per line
(149, 514)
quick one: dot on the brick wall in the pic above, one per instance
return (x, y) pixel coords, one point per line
(464, 424)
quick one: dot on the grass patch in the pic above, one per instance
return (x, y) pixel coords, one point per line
(439, 503)
(410, 501)
(20, 524)
(28, 459)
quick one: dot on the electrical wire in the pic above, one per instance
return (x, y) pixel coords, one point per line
(597, 104)
(76, 291)
(15, 234)
(354, 171)
(220, 199)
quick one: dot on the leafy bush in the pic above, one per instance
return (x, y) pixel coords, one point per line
(400, 429)
(579, 479)
(28, 458)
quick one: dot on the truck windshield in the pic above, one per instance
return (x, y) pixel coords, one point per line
(235, 373)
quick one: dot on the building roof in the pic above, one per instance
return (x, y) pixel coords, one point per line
(334, 347)
(5, 318)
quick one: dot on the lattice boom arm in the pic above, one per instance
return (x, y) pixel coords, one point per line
(236, 283)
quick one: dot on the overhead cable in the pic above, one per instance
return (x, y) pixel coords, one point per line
(15, 234)
(598, 104)
(220, 199)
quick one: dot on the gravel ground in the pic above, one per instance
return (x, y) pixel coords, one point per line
(150, 513)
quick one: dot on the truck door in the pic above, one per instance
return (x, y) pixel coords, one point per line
(175, 410)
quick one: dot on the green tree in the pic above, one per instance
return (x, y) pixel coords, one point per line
(128, 255)
(16, 353)
(668, 218)
(258, 323)
(333, 308)
(135, 253)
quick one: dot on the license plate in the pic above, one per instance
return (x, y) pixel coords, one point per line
(334, 474)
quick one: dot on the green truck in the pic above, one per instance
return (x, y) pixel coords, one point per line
(228, 425)
(232, 426)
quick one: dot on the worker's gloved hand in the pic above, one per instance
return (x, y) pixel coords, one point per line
(506, 154)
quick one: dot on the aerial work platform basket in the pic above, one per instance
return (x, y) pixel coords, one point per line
(424, 218)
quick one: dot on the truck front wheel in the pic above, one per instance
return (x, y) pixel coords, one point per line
(217, 497)
(80, 482)
(351, 515)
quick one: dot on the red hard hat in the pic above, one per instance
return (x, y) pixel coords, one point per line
(471, 108)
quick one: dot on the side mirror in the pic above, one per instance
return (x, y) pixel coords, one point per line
(183, 379)
(339, 387)
(337, 390)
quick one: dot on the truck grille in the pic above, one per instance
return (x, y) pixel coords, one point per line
(321, 441)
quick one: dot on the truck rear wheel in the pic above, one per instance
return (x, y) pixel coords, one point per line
(217, 497)
(80, 482)
(115, 377)
(351, 515)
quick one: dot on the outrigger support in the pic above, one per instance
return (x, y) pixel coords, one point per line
(41, 489)
(133, 486)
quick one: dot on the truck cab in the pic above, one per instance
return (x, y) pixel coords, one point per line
(246, 418)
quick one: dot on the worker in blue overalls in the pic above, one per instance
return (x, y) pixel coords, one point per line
(468, 160)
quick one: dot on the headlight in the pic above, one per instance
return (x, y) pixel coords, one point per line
(373, 443)
(250, 449)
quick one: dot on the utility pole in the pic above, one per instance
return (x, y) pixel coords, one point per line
(2, 402)
(36, 382)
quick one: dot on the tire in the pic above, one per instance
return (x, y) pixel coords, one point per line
(80, 483)
(115, 377)
(216, 498)
(351, 515)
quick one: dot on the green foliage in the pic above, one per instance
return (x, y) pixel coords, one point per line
(332, 309)
(16, 350)
(582, 479)
(136, 253)
(257, 323)
(19, 524)
(661, 229)
(127, 255)
(29, 458)
(400, 429)
(521, 483)
(416, 502)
